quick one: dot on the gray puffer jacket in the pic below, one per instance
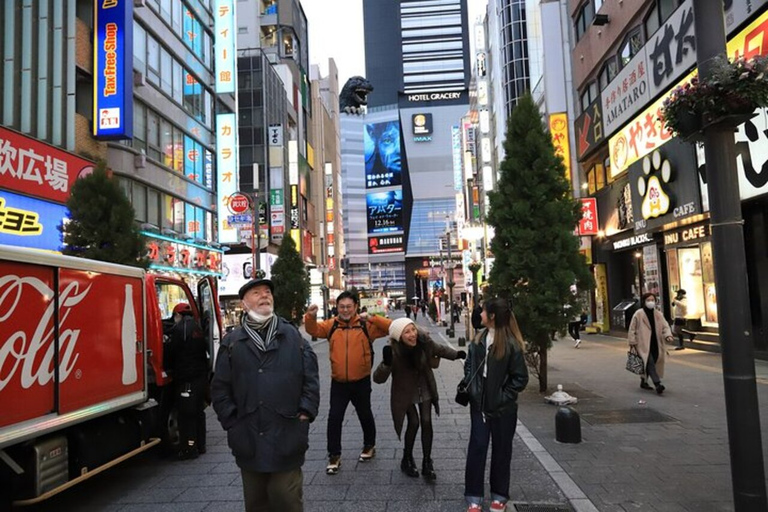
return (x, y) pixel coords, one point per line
(258, 397)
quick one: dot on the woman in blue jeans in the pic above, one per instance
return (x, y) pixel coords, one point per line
(495, 372)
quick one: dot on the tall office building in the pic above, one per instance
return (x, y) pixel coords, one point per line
(417, 58)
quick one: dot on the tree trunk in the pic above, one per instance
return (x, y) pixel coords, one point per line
(543, 368)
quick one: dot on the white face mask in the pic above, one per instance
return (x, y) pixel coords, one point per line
(650, 304)
(259, 318)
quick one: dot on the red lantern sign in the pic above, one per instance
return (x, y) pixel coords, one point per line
(588, 224)
(239, 203)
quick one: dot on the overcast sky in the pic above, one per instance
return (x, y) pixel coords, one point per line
(337, 32)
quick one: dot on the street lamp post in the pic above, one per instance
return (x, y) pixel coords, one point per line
(450, 265)
(741, 403)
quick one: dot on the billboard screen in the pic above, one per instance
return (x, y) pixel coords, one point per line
(28, 222)
(382, 154)
(385, 211)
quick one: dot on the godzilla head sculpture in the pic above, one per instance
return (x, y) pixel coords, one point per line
(354, 95)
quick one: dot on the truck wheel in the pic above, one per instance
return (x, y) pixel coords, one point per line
(169, 423)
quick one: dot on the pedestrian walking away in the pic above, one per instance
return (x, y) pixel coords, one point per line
(266, 391)
(410, 358)
(495, 373)
(424, 310)
(350, 348)
(680, 305)
(648, 331)
(185, 360)
(407, 311)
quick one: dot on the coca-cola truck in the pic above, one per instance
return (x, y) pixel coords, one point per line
(82, 385)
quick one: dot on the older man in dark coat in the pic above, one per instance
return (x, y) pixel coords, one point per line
(265, 392)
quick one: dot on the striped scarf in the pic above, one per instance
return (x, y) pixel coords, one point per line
(252, 328)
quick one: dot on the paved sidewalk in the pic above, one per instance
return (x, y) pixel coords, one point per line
(642, 451)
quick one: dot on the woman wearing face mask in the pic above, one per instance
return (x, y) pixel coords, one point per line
(410, 357)
(647, 332)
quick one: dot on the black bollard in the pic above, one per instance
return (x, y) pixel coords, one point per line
(462, 341)
(567, 425)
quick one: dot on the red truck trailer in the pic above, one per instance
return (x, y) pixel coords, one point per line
(82, 385)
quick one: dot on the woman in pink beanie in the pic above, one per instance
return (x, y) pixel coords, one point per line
(410, 357)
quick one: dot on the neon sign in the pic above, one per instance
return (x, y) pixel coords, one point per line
(113, 69)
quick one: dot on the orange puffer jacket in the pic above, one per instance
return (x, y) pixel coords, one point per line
(349, 350)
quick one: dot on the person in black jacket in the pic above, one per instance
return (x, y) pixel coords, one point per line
(495, 372)
(266, 391)
(186, 361)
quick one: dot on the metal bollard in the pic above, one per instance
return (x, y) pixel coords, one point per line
(567, 425)
(462, 341)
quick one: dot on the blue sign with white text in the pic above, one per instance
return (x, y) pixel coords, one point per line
(29, 222)
(113, 70)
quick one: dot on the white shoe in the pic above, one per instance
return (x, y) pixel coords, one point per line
(576, 345)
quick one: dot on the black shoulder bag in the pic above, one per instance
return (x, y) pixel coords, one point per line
(462, 389)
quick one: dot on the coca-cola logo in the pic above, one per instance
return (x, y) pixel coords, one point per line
(19, 352)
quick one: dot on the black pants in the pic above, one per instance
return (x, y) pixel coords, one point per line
(421, 418)
(190, 396)
(359, 393)
(574, 328)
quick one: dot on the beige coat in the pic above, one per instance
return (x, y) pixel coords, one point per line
(640, 335)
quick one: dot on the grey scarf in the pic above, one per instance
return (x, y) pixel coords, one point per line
(252, 329)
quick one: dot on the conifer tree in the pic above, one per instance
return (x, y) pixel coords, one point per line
(537, 257)
(101, 222)
(291, 282)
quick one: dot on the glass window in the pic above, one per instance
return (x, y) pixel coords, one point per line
(139, 200)
(178, 80)
(139, 47)
(166, 142)
(177, 16)
(598, 5)
(631, 46)
(666, 8)
(153, 135)
(652, 22)
(153, 60)
(166, 213)
(178, 215)
(139, 126)
(165, 9)
(166, 71)
(153, 206)
(178, 150)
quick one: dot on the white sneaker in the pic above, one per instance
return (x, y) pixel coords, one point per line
(576, 345)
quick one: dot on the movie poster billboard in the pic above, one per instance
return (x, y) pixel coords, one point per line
(385, 211)
(382, 154)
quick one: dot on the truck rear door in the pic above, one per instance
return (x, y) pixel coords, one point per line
(210, 315)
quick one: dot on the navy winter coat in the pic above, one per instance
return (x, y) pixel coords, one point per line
(258, 397)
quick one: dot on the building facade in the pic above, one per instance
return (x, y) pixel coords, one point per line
(626, 60)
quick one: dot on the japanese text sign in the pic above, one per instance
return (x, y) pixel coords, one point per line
(589, 129)
(588, 224)
(224, 43)
(28, 222)
(37, 169)
(385, 244)
(167, 255)
(558, 129)
(113, 69)
(226, 171)
(646, 132)
(627, 93)
(385, 211)
(672, 49)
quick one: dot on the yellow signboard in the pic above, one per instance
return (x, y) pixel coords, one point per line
(646, 132)
(558, 127)
(602, 308)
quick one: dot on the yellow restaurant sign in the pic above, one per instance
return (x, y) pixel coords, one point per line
(646, 132)
(558, 128)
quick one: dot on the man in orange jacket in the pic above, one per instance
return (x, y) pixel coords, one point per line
(350, 348)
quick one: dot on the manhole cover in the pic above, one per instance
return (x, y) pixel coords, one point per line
(541, 507)
(625, 416)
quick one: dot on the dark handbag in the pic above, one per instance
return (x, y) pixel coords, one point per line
(462, 388)
(635, 362)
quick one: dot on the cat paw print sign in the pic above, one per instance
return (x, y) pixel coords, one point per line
(650, 185)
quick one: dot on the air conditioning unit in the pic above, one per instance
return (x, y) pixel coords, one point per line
(139, 3)
(140, 161)
(139, 80)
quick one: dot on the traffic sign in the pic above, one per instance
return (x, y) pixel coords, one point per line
(239, 203)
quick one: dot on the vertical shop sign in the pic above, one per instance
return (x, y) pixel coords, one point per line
(602, 309)
(294, 207)
(224, 44)
(113, 69)
(458, 177)
(588, 225)
(589, 129)
(651, 274)
(558, 128)
(226, 172)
